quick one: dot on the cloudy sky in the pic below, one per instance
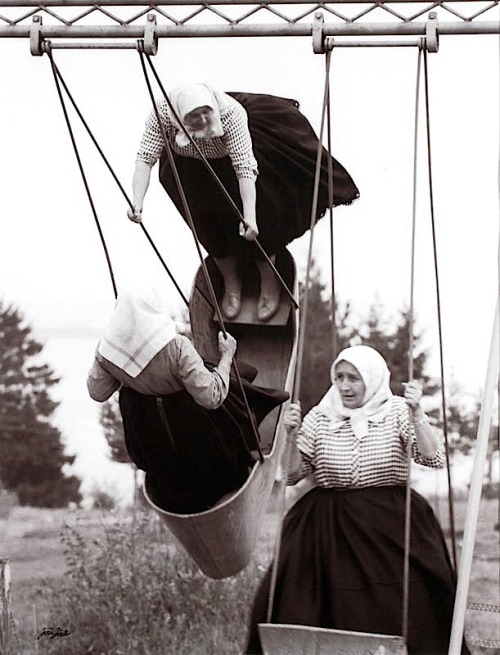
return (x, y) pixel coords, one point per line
(51, 261)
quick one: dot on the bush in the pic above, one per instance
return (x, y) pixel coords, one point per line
(133, 592)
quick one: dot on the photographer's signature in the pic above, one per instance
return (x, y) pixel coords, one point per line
(52, 633)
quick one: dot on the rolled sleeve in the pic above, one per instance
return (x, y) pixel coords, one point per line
(208, 388)
(101, 385)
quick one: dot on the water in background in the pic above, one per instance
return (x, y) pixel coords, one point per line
(77, 417)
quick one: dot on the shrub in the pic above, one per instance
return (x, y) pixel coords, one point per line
(133, 592)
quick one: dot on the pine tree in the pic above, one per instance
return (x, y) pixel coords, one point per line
(32, 458)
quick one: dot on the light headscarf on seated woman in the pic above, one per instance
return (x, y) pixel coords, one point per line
(189, 96)
(376, 404)
(138, 329)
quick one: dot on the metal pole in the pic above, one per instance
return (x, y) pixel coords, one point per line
(483, 433)
(242, 30)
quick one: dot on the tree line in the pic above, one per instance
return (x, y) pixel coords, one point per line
(33, 461)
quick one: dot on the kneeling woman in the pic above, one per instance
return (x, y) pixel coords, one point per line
(184, 422)
(341, 561)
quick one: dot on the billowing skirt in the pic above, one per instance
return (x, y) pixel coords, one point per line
(285, 146)
(341, 566)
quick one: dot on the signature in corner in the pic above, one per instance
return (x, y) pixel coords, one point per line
(51, 633)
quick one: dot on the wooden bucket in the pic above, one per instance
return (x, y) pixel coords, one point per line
(281, 639)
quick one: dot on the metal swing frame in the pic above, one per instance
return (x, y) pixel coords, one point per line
(47, 25)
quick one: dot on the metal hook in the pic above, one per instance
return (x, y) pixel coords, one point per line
(36, 39)
(431, 33)
(318, 33)
(150, 43)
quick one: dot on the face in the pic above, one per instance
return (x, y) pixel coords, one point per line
(350, 385)
(199, 118)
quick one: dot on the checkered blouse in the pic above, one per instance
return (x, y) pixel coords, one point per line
(236, 141)
(338, 459)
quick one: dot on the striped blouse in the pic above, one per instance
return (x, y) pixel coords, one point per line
(338, 459)
(236, 141)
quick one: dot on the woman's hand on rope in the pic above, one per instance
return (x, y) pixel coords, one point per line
(293, 418)
(227, 344)
(249, 230)
(134, 214)
(413, 394)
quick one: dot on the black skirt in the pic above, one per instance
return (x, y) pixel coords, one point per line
(341, 566)
(285, 146)
(193, 456)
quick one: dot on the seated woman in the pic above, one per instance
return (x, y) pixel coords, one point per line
(264, 151)
(342, 550)
(185, 422)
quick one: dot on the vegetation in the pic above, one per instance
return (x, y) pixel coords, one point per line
(32, 458)
(132, 591)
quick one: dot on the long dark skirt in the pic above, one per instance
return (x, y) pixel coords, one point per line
(341, 566)
(285, 146)
(193, 456)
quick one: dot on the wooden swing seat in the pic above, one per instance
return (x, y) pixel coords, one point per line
(221, 540)
(282, 639)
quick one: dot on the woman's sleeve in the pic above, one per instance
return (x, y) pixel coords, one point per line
(408, 434)
(208, 388)
(151, 145)
(306, 439)
(239, 142)
(101, 385)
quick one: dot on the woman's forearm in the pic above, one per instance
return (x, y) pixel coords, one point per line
(140, 183)
(292, 459)
(248, 198)
(425, 435)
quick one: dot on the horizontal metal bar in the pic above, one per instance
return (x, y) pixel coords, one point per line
(182, 3)
(96, 45)
(240, 30)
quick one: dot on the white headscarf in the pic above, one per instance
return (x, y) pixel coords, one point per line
(190, 96)
(375, 374)
(139, 328)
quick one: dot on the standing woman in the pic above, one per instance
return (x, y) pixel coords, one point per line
(341, 560)
(264, 151)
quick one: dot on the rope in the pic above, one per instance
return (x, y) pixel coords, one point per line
(189, 218)
(55, 73)
(411, 339)
(333, 302)
(300, 350)
(113, 174)
(438, 304)
(219, 183)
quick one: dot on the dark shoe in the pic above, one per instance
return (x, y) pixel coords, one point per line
(267, 307)
(231, 305)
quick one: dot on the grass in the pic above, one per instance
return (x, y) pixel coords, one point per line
(121, 586)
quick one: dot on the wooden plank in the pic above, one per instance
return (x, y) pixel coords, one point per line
(282, 639)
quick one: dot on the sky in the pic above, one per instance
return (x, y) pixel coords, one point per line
(51, 262)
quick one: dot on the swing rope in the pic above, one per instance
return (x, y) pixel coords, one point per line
(189, 218)
(302, 325)
(438, 306)
(333, 301)
(60, 81)
(218, 181)
(411, 339)
(55, 73)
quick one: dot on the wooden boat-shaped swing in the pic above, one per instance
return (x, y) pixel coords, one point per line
(221, 540)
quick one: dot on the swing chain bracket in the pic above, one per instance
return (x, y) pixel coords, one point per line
(39, 46)
(149, 44)
(323, 44)
(36, 39)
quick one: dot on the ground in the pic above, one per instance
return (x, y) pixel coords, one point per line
(30, 540)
